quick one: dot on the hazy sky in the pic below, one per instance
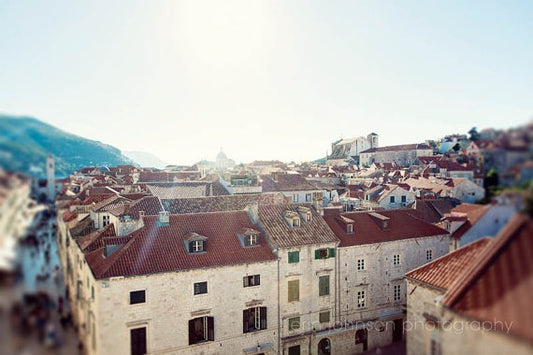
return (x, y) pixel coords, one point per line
(266, 79)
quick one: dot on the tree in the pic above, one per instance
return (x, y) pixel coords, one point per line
(474, 135)
(490, 183)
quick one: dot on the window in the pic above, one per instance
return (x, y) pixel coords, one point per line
(295, 198)
(308, 198)
(105, 220)
(201, 329)
(294, 256)
(294, 323)
(324, 253)
(429, 254)
(323, 285)
(251, 240)
(349, 228)
(296, 222)
(294, 290)
(254, 319)
(392, 199)
(196, 246)
(200, 288)
(396, 259)
(294, 350)
(137, 297)
(323, 317)
(361, 300)
(252, 280)
(360, 264)
(404, 198)
(397, 292)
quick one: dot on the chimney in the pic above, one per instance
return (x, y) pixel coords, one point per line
(332, 211)
(253, 211)
(164, 218)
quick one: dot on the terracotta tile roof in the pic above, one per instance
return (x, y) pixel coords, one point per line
(82, 227)
(444, 271)
(282, 236)
(96, 198)
(164, 176)
(367, 228)
(433, 210)
(110, 204)
(155, 248)
(221, 203)
(285, 182)
(391, 148)
(150, 205)
(102, 189)
(134, 196)
(94, 240)
(69, 216)
(498, 286)
(451, 166)
(188, 189)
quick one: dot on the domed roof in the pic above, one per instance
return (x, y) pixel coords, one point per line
(221, 155)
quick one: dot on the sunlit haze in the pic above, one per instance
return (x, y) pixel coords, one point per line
(265, 79)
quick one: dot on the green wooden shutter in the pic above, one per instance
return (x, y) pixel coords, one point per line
(323, 285)
(317, 253)
(331, 253)
(294, 256)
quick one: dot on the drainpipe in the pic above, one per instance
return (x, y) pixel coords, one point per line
(338, 285)
(279, 307)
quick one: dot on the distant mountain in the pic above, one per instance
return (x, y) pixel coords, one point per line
(145, 160)
(25, 142)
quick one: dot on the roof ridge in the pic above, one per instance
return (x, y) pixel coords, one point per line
(448, 255)
(472, 274)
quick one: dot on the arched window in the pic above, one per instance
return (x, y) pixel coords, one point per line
(324, 347)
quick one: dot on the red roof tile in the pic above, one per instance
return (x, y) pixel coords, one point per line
(281, 235)
(368, 229)
(155, 248)
(498, 286)
(397, 147)
(444, 271)
(285, 182)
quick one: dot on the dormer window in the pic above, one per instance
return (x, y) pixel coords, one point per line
(250, 240)
(305, 213)
(292, 218)
(195, 243)
(249, 237)
(296, 222)
(196, 246)
(349, 228)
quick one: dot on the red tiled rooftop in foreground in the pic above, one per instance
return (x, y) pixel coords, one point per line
(444, 271)
(156, 248)
(499, 284)
(368, 230)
